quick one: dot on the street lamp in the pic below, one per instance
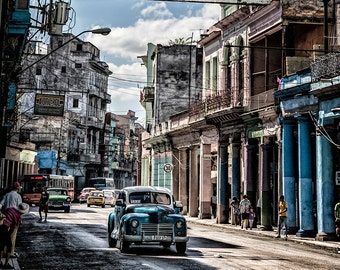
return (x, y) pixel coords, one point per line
(103, 31)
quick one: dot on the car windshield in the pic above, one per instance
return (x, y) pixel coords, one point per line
(150, 197)
(57, 192)
(97, 194)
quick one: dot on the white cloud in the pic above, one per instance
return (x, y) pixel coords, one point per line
(158, 10)
(157, 25)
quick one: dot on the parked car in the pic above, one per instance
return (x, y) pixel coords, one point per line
(145, 214)
(59, 199)
(84, 193)
(96, 197)
(109, 197)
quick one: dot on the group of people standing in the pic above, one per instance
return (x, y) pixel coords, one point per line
(243, 213)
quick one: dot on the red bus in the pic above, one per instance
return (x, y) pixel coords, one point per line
(32, 185)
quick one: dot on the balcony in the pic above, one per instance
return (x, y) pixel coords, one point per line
(262, 100)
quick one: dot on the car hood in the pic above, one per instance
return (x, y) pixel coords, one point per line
(152, 209)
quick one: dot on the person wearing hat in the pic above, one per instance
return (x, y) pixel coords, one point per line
(12, 221)
(12, 199)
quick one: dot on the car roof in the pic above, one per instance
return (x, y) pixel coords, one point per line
(57, 189)
(147, 189)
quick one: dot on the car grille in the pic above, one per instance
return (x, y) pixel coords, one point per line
(58, 203)
(157, 229)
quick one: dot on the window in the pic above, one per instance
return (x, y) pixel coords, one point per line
(75, 103)
(78, 65)
(207, 77)
(38, 71)
(22, 4)
(79, 47)
(63, 69)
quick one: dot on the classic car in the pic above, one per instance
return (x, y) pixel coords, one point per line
(147, 215)
(59, 199)
(109, 197)
(96, 197)
(84, 193)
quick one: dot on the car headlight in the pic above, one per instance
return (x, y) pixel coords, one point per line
(68, 199)
(179, 224)
(134, 223)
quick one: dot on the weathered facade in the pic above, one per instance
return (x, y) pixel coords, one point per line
(236, 139)
(15, 158)
(121, 152)
(77, 77)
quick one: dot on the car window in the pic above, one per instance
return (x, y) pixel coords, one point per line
(150, 197)
(57, 192)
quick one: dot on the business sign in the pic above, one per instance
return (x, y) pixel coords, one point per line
(49, 105)
(230, 2)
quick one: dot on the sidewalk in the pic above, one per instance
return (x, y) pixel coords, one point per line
(333, 247)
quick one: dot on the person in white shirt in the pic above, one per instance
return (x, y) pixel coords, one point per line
(12, 199)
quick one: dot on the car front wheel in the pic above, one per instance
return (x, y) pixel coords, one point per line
(181, 247)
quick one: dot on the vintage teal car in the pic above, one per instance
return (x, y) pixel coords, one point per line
(59, 199)
(144, 215)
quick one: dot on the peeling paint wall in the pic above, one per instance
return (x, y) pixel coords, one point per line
(179, 79)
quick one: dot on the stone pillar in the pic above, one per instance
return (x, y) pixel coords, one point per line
(205, 182)
(193, 182)
(175, 174)
(288, 172)
(235, 170)
(266, 206)
(306, 222)
(324, 188)
(222, 185)
(183, 197)
(249, 178)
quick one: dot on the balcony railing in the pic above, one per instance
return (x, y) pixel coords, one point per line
(262, 100)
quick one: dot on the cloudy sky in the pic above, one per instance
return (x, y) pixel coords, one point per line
(134, 24)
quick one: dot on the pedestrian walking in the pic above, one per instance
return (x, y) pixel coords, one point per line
(235, 208)
(213, 203)
(258, 211)
(252, 217)
(337, 219)
(282, 221)
(12, 199)
(43, 203)
(244, 208)
(12, 221)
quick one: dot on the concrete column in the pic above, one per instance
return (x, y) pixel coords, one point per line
(306, 221)
(249, 177)
(222, 185)
(288, 172)
(324, 187)
(266, 207)
(235, 170)
(193, 182)
(183, 176)
(205, 182)
(175, 174)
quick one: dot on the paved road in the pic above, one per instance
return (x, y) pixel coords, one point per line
(78, 240)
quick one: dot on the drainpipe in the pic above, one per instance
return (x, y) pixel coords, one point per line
(325, 29)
